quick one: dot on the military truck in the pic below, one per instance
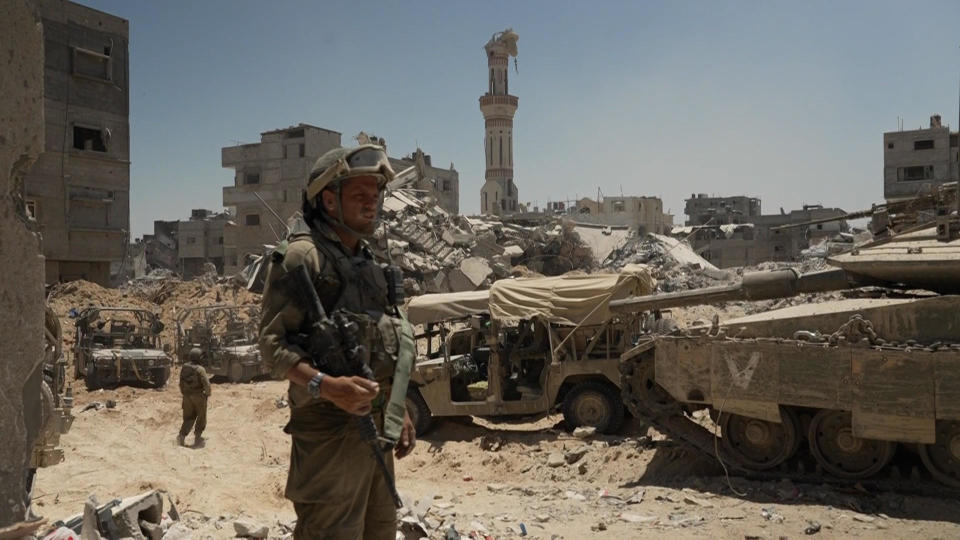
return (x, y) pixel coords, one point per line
(227, 336)
(849, 381)
(120, 345)
(526, 346)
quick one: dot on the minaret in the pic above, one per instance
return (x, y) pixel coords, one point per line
(499, 193)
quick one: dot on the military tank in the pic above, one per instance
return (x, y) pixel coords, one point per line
(831, 389)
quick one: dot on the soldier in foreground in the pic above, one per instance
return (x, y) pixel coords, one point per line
(341, 476)
(195, 388)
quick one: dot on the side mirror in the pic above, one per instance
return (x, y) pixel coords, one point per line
(156, 327)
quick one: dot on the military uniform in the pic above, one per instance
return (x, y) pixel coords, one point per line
(333, 481)
(195, 388)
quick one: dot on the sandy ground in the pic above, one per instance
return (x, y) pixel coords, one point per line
(472, 473)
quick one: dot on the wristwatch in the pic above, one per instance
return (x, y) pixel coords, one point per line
(314, 385)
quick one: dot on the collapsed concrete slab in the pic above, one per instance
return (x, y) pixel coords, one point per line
(22, 316)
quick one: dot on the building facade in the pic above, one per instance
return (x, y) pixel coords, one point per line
(442, 185)
(703, 210)
(918, 159)
(499, 192)
(78, 191)
(200, 241)
(275, 169)
(642, 214)
(745, 243)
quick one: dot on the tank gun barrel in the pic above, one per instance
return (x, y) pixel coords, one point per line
(753, 286)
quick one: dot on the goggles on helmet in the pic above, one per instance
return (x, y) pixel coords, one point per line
(368, 160)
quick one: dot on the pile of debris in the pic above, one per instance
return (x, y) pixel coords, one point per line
(675, 265)
(440, 253)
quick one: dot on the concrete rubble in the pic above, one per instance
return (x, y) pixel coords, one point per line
(140, 517)
(440, 253)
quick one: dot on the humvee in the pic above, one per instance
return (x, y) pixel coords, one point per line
(526, 346)
(120, 345)
(227, 335)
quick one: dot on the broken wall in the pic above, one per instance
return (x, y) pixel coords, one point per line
(21, 288)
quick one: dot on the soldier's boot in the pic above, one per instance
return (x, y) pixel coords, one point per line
(180, 440)
(198, 441)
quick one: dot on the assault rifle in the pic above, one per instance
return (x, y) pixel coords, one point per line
(334, 350)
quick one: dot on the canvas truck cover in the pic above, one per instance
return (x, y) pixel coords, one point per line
(570, 300)
(431, 308)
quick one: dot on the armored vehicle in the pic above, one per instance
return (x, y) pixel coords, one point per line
(227, 335)
(120, 345)
(526, 346)
(833, 387)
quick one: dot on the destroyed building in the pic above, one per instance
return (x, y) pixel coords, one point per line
(442, 185)
(704, 210)
(78, 190)
(200, 241)
(499, 193)
(275, 170)
(641, 214)
(762, 238)
(160, 248)
(918, 159)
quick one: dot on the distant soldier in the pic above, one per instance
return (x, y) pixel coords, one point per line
(195, 389)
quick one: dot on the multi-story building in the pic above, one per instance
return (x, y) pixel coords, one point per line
(275, 169)
(200, 241)
(78, 190)
(918, 159)
(642, 214)
(744, 243)
(704, 210)
(499, 192)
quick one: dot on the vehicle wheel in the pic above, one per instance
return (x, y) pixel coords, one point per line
(235, 372)
(942, 458)
(641, 386)
(92, 379)
(593, 404)
(419, 412)
(840, 453)
(758, 444)
(159, 376)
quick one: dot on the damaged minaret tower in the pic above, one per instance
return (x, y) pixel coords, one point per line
(499, 193)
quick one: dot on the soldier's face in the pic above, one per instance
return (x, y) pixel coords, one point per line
(359, 201)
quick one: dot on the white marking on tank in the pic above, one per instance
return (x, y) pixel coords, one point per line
(741, 377)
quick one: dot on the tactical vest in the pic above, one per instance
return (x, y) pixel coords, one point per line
(360, 290)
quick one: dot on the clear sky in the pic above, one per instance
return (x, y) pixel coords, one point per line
(782, 100)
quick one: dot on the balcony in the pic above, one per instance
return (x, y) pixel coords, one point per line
(493, 99)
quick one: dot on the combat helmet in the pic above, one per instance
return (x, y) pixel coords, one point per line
(340, 164)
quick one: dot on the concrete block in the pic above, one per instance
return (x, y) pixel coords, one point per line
(139, 517)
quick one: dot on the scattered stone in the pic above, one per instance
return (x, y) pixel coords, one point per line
(573, 456)
(542, 518)
(636, 498)
(555, 460)
(491, 443)
(812, 528)
(690, 499)
(281, 402)
(249, 529)
(477, 526)
(496, 488)
(582, 467)
(731, 513)
(635, 518)
(574, 495)
(864, 518)
(601, 526)
(770, 515)
(111, 404)
(584, 432)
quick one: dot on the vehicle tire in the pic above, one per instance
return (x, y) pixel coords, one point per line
(594, 404)
(159, 376)
(419, 412)
(92, 379)
(235, 372)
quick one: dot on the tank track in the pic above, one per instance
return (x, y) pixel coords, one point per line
(676, 423)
